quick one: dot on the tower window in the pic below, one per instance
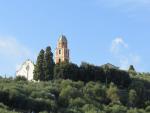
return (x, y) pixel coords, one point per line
(59, 51)
(59, 60)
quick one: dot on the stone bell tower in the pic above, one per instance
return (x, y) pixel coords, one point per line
(62, 51)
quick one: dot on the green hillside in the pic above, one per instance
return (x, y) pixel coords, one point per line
(67, 96)
(69, 88)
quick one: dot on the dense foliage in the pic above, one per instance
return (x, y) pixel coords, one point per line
(44, 65)
(69, 88)
(46, 70)
(87, 72)
(67, 96)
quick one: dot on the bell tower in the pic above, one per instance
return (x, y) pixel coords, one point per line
(62, 51)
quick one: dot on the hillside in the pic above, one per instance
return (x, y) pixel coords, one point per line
(67, 96)
(65, 87)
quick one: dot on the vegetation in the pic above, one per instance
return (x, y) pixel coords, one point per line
(39, 73)
(87, 72)
(69, 88)
(48, 64)
(44, 65)
(67, 96)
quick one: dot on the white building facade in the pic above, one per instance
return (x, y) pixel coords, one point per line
(26, 70)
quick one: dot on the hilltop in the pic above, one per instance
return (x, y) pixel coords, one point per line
(65, 87)
(67, 96)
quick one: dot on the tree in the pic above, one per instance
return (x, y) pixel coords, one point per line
(132, 100)
(90, 108)
(39, 68)
(20, 78)
(107, 73)
(120, 78)
(88, 72)
(141, 91)
(66, 71)
(48, 64)
(95, 91)
(113, 93)
(117, 109)
(147, 109)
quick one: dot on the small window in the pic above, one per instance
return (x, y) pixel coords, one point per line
(59, 60)
(59, 51)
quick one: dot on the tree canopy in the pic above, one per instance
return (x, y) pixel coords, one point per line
(67, 96)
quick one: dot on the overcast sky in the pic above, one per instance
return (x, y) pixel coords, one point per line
(98, 31)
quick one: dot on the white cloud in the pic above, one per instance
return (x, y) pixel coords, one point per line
(122, 53)
(117, 44)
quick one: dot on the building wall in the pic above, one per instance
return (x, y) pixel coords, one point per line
(27, 73)
(62, 51)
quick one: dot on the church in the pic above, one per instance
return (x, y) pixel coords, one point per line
(61, 55)
(26, 70)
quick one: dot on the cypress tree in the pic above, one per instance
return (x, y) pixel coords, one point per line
(39, 70)
(48, 64)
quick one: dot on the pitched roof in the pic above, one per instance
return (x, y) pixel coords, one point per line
(62, 38)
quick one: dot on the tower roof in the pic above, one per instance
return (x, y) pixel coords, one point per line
(62, 38)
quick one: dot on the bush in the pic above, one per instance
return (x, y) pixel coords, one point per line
(20, 78)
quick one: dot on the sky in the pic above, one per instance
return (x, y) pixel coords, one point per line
(98, 31)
